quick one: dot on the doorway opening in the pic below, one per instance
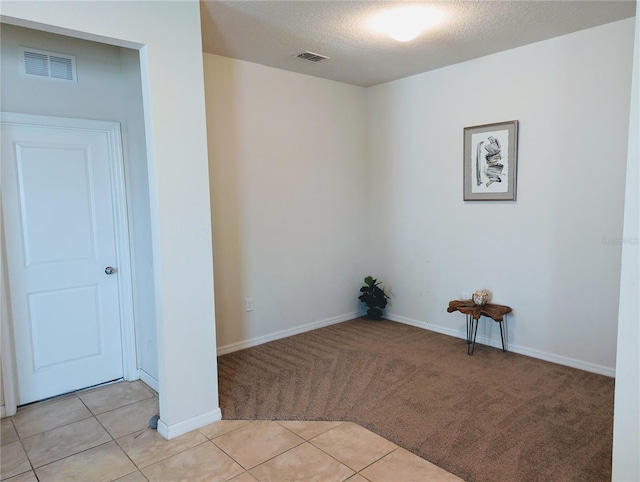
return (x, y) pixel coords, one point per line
(108, 88)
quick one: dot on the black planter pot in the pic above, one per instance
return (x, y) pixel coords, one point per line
(374, 313)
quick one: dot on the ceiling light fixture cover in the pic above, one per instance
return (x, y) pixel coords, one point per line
(406, 23)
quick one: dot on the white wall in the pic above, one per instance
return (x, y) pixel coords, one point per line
(108, 88)
(548, 254)
(288, 192)
(626, 427)
(168, 35)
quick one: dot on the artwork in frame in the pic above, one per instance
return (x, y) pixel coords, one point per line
(490, 162)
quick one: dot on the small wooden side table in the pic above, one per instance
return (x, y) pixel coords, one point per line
(473, 313)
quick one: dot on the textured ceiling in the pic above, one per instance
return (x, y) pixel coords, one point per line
(273, 32)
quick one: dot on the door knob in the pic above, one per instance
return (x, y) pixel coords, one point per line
(109, 270)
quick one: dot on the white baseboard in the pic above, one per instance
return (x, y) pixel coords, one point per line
(561, 360)
(172, 431)
(541, 355)
(241, 345)
(426, 326)
(152, 382)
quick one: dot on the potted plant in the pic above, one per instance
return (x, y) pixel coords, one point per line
(374, 297)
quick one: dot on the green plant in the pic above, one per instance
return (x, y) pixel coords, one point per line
(374, 297)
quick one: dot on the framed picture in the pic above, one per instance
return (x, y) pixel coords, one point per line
(491, 161)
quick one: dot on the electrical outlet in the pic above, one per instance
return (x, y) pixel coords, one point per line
(248, 304)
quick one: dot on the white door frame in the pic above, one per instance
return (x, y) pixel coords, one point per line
(123, 256)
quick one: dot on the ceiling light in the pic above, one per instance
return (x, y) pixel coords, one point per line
(404, 24)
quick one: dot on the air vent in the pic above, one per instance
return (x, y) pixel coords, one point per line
(52, 65)
(312, 57)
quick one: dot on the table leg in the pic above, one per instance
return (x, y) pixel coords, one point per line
(502, 336)
(471, 344)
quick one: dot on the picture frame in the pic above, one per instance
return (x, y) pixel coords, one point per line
(491, 162)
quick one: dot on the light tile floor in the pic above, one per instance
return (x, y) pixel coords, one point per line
(102, 435)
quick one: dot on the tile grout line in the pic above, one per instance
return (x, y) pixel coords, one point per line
(153, 395)
(308, 439)
(73, 454)
(304, 440)
(33, 468)
(275, 456)
(138, 469)
(339, 461)
(162, 459)
(228, 454)
(265, 461)
(224, 452)
(115, 441)
(25, 452)
(66, 397)
(344, 463)
(118, 408)
(220, 435)
(91, 415)
(378, 460)
(328, 454)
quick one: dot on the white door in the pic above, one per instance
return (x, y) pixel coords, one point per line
(60, 241)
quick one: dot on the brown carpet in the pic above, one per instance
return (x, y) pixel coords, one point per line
(493, 416)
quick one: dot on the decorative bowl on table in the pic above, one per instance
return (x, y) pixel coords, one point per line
(480, 297)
